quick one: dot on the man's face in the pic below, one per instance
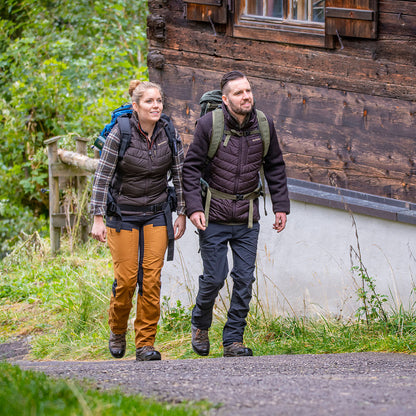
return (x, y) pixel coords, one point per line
(238, 97)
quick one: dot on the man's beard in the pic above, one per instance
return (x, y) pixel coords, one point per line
(240, 111)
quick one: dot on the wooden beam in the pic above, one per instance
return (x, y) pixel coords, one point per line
(355, 14)
(78, 160)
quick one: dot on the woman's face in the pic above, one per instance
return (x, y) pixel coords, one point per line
(150, 106)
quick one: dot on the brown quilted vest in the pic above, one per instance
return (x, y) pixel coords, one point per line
(143, 171)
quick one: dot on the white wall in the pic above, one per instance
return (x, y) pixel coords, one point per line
(307, 267)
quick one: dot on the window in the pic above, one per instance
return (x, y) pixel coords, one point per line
(297, 10)
(301, 22)
(292, 21)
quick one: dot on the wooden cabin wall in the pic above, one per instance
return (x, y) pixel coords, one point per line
(344, 117)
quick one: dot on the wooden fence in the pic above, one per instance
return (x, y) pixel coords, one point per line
(64, 164)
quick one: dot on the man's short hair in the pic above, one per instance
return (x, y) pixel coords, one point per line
(230, 76)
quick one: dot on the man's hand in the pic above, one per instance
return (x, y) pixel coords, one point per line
(280, 221)
(198, 219)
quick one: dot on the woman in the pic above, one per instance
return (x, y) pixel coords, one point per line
(139, 220)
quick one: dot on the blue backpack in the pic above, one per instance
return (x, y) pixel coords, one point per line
(121, 115)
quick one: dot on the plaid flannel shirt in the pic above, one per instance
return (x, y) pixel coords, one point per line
(107, 166)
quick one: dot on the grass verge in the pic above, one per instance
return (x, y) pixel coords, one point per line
(31, 393)
(61, 303)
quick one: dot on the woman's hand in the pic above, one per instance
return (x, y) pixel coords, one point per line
(179, 226)
(99, 230)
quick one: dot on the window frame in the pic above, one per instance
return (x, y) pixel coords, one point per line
(273, 29)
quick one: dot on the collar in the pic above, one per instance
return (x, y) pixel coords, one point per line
(233, 123)
(136, 122)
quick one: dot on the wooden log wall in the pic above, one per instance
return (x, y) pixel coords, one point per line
(345, 116)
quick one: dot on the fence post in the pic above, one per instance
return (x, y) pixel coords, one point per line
(54, 232)
(81, 148)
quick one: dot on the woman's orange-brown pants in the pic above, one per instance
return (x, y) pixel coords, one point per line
(138, 255)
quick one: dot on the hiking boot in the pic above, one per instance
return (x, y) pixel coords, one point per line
(117, 344)
(147, 353)
(237, 349)
(200, 341)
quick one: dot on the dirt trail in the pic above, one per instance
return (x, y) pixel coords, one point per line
(293, 385)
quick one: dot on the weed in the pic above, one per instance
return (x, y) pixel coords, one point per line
(175, 318)
(371, 308)
(75, 207)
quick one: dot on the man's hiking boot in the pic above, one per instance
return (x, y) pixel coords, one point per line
(237, 349)
(200, 341)
(147, 353)
(117, 344)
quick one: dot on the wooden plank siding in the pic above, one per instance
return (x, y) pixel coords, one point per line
(344, 117)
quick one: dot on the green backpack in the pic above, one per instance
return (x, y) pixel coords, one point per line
(212, 101)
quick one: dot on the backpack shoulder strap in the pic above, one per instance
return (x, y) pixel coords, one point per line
(171, 133)
(125, 135)
(217, 132)
(265, 137)
(264, 131)
(125, 138)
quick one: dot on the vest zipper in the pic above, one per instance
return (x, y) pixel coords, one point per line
(237, 176)
(149, 142)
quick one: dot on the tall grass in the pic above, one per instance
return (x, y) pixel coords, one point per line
(66, 300)
(62, 303)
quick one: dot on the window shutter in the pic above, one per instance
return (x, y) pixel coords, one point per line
(207, 10)
(355, 18)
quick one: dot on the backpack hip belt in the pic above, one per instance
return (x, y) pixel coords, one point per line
(214, 193)
(164, 207)
(146, 209)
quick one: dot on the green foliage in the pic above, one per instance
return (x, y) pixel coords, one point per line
(30, 393)
(15, 222)
(62, 303)
(293, 335)
(371, 308)
(64, 65)
(175, 318)
(66, 298)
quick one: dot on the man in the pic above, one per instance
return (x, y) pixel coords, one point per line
(232, 176)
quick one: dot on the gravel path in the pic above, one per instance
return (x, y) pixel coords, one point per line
(293, 385)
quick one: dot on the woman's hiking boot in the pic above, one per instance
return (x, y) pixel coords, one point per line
(147, 353)
(237, 349)
(200, 341)
(117, 344)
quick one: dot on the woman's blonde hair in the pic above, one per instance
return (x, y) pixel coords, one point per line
(137, 88)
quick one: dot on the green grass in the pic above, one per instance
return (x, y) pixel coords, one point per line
(292, 335)
(31, 393)
(62, 303)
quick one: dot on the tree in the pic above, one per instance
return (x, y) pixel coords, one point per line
(64, 66)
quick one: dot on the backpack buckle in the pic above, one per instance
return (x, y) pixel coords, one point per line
(239, 197)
